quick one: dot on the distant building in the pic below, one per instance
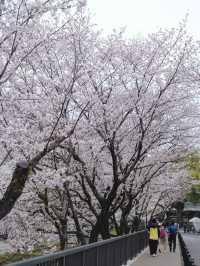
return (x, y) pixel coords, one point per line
(191, 210)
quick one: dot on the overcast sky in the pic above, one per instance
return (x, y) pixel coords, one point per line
(145, 16)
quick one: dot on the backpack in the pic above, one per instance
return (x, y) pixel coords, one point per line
(173, 229)
(153, 233)
(162, 233)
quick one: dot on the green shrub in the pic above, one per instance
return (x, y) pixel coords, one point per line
(18, 256)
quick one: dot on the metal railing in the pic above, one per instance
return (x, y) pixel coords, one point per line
(112, 252)
(3, 235)
(187, 259)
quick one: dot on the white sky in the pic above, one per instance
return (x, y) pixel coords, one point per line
(145, 16)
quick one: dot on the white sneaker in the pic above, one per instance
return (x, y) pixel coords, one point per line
(153, 255)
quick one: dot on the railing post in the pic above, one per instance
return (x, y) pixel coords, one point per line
(83, 258)
(97, 257)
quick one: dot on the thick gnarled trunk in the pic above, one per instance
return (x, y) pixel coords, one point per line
(14, 189)
(20, 177)
(100, 228)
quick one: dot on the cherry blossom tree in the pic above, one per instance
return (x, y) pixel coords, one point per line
(28, 29)
(140, 98)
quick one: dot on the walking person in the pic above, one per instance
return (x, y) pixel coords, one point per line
(153, 237)
(172, 232)
(163, 239)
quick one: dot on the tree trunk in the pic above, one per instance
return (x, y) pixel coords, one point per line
(62, 241)
(105, 233)
(101, 227)
(79, 234)
(94, 233)
(20, 177)
(15, 188)
(124, 228)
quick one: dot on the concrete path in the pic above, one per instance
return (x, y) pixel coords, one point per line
(167, 259)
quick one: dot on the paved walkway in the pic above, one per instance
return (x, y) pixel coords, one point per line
(167, 259)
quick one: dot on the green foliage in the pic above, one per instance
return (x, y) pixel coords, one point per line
(194, 194)
(18, 256)
(193, 165)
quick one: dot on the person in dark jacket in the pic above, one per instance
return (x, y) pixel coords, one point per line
(154, 233)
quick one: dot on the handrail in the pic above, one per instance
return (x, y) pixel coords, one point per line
(3, 235)
(187, 259)
(111, 252)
